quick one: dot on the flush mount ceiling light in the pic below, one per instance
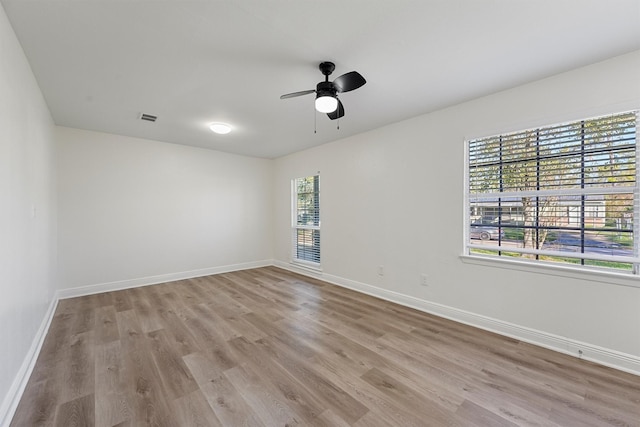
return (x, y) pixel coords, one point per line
(221, 128)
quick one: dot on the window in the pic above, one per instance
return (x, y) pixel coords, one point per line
(306, 220)
(561, 194)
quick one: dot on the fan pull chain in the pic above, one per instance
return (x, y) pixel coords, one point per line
(315, 120)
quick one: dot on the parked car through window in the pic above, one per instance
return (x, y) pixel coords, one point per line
(481, 231)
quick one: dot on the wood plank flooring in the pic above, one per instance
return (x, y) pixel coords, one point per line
(266, 347)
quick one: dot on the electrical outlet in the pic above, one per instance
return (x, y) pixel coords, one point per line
(380, 270)
(424, 281)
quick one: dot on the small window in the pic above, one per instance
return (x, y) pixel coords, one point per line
(562, 194)
(306, 220)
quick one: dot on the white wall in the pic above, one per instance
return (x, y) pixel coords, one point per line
(139, 211)
(27, 213)
(393, 197)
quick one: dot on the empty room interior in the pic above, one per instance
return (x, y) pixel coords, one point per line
(329, 213)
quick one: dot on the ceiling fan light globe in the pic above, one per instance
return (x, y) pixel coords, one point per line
(326, 104)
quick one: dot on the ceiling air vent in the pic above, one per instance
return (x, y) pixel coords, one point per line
(148, 117)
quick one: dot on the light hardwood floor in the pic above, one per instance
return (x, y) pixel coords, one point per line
(266, 347)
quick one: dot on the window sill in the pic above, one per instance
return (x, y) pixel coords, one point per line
(317, 268)
(584, 273)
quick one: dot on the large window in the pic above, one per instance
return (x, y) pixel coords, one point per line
(306, 220)
(561, 194)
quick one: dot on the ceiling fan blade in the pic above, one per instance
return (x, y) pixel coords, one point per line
(350, 81)
(338, 113)
(294, 94)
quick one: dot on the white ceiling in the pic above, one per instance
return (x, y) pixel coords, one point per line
(100, 63)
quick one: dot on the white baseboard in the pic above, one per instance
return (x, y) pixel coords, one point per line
(603, 356)
(12, 398)
(154, 280)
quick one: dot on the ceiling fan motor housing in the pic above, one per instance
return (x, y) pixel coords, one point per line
(326, 89)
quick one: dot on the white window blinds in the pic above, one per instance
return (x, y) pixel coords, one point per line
(306, 220)
(564, 194)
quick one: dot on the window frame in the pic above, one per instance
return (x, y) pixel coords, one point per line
(314, 229)
(536, 263)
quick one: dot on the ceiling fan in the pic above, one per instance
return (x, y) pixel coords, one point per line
(327, 92)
